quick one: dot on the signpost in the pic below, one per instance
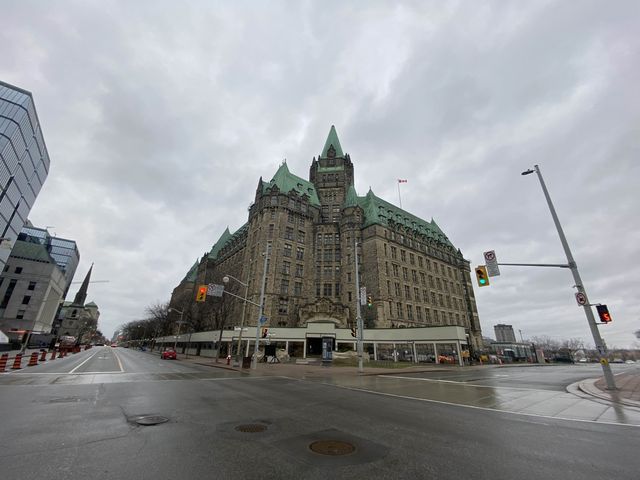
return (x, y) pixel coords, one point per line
(363, 295)
(492, 263)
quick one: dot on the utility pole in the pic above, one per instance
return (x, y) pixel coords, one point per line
(254, 361)
(602, 350)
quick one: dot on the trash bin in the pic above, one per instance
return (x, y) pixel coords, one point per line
(246, 362)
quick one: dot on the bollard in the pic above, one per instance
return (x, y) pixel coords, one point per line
(3, 361)
(17, 362)
(33, 361)
(61, 353)
(53, 354)
(43, 356)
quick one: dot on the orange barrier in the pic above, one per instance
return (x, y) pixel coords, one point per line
(3, 361)
(17, 362)
(33, 361)
(53, 354)
(43, 356)
(61, 353)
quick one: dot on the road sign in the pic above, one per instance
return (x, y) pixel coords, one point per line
(581, 298)
(492, 263)
(263, 320)
(363, 295)
(215, 290)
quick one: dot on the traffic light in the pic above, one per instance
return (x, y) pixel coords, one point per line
(481, 276)
(353, 332)
(265, 332)
(603, 313)
(201, 295)
(369, 301)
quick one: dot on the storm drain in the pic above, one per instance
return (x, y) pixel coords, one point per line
(151, 420)
(332, 447)
(251, 428)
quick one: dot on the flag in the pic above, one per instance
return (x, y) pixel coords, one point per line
(401, 181)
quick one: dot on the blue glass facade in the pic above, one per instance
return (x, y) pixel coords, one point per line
(24, 161)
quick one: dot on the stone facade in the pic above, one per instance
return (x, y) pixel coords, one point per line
(414, 275)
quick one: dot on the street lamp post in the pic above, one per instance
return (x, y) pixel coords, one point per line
(359, 323)
(602, 351)
(254, 360)
(225, 279)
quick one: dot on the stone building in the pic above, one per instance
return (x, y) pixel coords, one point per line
(411, 271)
(79, 319)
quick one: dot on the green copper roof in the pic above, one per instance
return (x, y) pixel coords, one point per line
(379, 212)
(213, 253)
(192, 273)
(352, 197)
(332, 139)
(287, 181)
(31, 251)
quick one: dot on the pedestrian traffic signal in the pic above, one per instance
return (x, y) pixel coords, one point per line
(265, 332)
(603, 313)
(481, 276)
(201, 294)
(369, 301)
(353, 332)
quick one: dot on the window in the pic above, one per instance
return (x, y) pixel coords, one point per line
(434, 300)
(407, 293)
(299, 253)
(337, 290)
(414, 276)
(287, 250)
(299, 270)
(440, 300)
(348, 276)
(427, 314)
(32, 286)
(274, 200)
(423, 278)
(418, 313)
(394, 252)
(396, 270)
(397, 288)
(301, 236)
(416, 294)
(297, 288)
(18, 270)
(420, 264)
(288, 233)
(410, 312)
(405, 273)
(439, 283)
(399, 308)
(283, 307)
(291, 217)
(425, 295)
(386, 268)
(350, 298)
(412, 259)
(403, 255)
(271, 227)
(284, 287)
(20, 314)
(272, 215)
(286, 268)
(26, 299)
(328, 255)
(327, 290)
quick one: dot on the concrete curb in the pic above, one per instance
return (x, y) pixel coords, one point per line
(588, 386)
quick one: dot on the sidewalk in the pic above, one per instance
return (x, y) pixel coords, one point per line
(628, 392)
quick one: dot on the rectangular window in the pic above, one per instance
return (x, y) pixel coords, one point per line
(284, 287)
(297, 289)
(423, 278)
(394, 253)
(427, 314)
(405, 273)
(348, 276)
(396, 271)
(407, 293)
(318, 291)
(440, 300)
(327, 290)
(32, 286)
(328, 255)
(399, 308)
(299, 270)
(410, 312)
(7, 293)
(291, 217)
(287, 250)
(418, 313)
(26, 299)
(337, 290)
(18, 270)
(20, 314)
(299, 253)
(386, 268)
(349, 296)
(397, 287)
(286, 268)
(271, 227)
(434, 300)
(439, 283)
(412, 259)
(420, 264)
(425, 296)
(403, 255)
(301, 236)
(416, 294)
(414, 276)
(288, 233)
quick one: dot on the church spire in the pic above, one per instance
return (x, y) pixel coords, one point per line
(332, 143)
(81, 296)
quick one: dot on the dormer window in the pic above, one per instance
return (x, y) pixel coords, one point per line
(331, 153)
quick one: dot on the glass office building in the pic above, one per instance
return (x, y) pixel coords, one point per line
(24, 163)
(63, 251)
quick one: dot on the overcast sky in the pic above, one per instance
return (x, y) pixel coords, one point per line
(161, 116)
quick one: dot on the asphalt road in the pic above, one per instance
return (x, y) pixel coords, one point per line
(64, 420)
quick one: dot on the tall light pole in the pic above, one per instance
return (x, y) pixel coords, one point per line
(359, 324)
(179, 322)
(602, 351)
(225, 279)
(254, 360)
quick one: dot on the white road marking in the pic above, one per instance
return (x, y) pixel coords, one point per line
(119, 362)
(72, 371)
(464, 384)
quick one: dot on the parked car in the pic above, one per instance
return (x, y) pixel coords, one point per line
(168, 354)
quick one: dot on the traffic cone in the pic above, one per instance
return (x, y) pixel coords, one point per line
(43, 356)
(17, 362)
(3, 361)
(53, 354)
(33, 361)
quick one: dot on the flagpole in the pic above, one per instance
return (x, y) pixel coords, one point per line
(399, 197)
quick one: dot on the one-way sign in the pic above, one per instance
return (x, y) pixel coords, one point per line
(492, 263)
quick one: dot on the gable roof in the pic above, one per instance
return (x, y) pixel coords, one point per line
(287, 182)
(380, 212)
(192, 273)
(225, 240)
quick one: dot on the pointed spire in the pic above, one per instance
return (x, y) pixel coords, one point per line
(81, 296)
(352, 197)
(332, 141)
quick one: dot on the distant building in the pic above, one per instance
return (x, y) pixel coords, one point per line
(24, 163)
(79, 319)
(504, 333)
(31, 288)
(63, 251)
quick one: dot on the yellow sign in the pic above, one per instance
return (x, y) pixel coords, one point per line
(604, 361)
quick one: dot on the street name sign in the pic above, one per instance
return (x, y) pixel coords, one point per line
(492, 263)
(215, 290)
(363, 295)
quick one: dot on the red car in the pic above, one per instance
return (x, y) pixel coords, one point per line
(168, 354)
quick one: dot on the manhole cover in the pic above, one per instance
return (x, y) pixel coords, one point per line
(151, 420)
(332, 447)
(251, 428)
